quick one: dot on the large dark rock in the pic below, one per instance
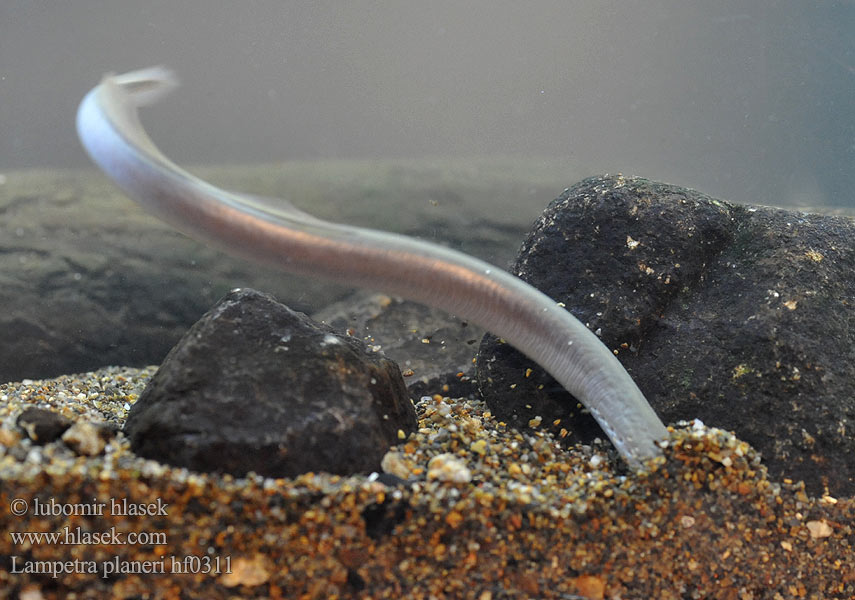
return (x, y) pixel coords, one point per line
(741, 316)
(434, 349)
(255, 386)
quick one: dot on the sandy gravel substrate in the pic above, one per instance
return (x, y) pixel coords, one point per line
(489, 513)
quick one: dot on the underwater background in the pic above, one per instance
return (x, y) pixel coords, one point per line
(752, 102)
(652, 133)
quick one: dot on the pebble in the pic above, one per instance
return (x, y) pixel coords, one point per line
(42, 425)
(446, 467)
(84, 438)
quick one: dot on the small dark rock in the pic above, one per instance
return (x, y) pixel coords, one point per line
(741, 316)
(43, 426)
(255, 386)
(434, 349)
(390, 480)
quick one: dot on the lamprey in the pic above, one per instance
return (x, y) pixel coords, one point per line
(277, 233)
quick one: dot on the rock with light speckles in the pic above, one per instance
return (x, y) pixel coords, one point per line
(742, 316)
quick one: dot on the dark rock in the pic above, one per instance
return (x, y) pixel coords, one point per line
(741, 316)
(390, 480)
(434, 349)
(42, 425)
(255, 386)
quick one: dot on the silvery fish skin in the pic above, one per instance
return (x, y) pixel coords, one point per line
(276, 233)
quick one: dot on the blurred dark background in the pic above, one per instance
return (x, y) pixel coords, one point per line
(748, 101)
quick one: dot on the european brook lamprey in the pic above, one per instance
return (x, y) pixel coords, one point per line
(274, 232)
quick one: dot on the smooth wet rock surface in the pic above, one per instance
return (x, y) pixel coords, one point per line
(88, 279)
(255, 386)
(740, 316)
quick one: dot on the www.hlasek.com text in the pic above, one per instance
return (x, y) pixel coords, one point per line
(78, 536)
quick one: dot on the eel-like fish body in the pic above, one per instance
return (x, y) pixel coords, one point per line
(279, 234)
